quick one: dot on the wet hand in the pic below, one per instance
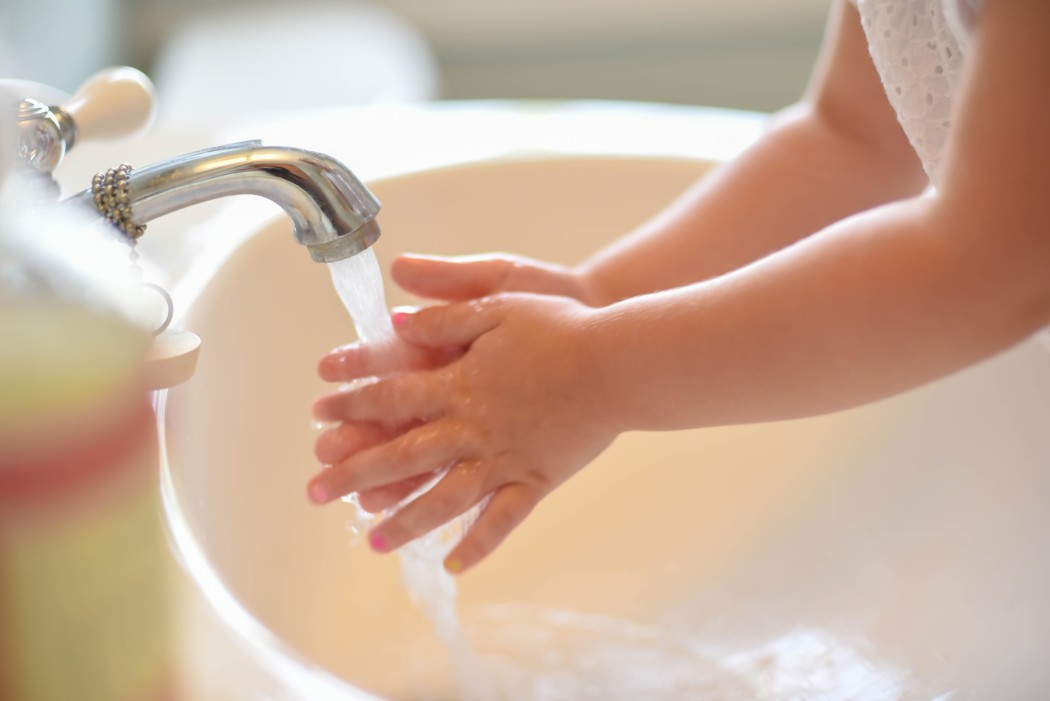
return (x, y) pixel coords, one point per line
(358, 361)
(510, 419)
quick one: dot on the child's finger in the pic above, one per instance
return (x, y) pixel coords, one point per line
(507, 508)
(393, 400)
(358, 360)
(388, 496)
(335, 444)
(450, 325)
(456, 492)
(451, 279)
(418, 451)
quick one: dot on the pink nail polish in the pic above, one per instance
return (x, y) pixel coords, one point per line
(378, 542)
(399, 318)
(318, 493)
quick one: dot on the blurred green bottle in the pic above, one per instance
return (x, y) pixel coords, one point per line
(83, 558)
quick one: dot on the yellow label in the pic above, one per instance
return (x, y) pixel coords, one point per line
(84, 611)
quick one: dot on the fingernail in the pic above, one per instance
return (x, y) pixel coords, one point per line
(339, 360)
(318, 493)
(453, 565)
(378, 542)
(329, 364)
(399, 315)
(343, 348)
(320, 411)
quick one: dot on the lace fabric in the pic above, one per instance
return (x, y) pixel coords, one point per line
(919, 49)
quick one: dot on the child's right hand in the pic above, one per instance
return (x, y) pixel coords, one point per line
(442, 278)
(472, 277)
(521, 410)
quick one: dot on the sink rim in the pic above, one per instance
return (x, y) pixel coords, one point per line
(270, 222)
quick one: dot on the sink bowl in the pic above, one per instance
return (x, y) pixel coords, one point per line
(893, 551)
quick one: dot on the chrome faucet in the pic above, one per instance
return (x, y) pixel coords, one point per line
(332, 212)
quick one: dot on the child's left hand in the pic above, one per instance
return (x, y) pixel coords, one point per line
(512, 418)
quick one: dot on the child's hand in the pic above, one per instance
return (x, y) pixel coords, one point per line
(473, 277)
(360, 360)
(512, 418)
(337, 444)
(449, 279)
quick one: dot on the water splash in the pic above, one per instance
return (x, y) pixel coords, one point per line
(529, 653)
(358, 281)
(536, 653)
(525, 652)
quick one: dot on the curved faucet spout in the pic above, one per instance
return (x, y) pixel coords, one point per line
(332, 212)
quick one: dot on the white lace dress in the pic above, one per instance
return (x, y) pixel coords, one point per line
(919, 48)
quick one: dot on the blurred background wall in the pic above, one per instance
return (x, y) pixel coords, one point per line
(753, 54)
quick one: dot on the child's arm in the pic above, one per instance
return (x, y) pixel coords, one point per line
(843, 137)
(839, 151)
(873, 305)
(883, 301)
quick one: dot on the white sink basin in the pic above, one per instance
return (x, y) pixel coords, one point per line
(882, 549)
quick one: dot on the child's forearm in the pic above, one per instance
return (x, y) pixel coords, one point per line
(876, 304)
(873, 305)
(753, 206)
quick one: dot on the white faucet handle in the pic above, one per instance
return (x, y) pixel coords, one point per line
(112, 104)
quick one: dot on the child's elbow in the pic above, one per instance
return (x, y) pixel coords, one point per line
(1006, 238)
